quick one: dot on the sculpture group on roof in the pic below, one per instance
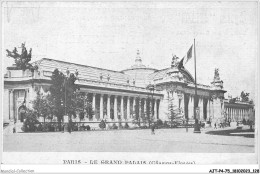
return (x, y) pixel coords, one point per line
(21, 60)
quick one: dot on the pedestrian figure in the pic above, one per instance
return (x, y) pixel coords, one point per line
(152, 129)
(14, 128)
(215, 125)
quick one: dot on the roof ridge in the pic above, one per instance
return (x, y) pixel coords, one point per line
(80, 65)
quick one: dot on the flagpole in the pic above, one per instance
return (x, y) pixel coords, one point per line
(195, 98)
(196, 125)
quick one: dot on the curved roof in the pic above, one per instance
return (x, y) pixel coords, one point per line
(85, 72)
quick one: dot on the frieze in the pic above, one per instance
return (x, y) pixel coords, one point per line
(199, 92)
(173, 88)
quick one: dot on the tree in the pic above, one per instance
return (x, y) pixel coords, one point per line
(57, 94)
(71, 100)
(64, 94)
(83, 106)
(42, 105)
(244, 96)
(232, 100)
(174, 114)
(31, 121)
(21, 60)
(102, 124)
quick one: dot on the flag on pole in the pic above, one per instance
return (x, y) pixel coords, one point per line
(186, 58)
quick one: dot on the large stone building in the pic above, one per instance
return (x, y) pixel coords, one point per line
(122, 95)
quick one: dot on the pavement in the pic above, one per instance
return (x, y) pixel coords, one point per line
(165, 140)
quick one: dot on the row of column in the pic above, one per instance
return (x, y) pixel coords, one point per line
(236, 114)
(153, 106)
(206, 108)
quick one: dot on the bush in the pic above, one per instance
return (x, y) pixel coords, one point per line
(75, 128)
(114, 126)
(88, 128)
(51, 127)
(45, 128)
(166, 125)
(159, 122)
(120, 126)
(126, 126)
(244, 121)
(102, 124)
(31, 122)
(143, 127)
(39, 128)
(82, 128)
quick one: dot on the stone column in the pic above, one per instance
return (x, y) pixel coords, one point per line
(233, 114)
(128, 108)
(134, 103)
(212, 109)
(228, 112)
(140, 108)
(201, 108)
(94, 105)
(11, 104)
(191, 107)
(108, 106)
(145, 107)
(236, 115)
(115, 108)
(101, 109)
(155, 110)
(151, 109)
(85, 103)
(122, 108)
(181, 99)
(208, 109)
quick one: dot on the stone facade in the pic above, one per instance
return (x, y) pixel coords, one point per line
(121, 95)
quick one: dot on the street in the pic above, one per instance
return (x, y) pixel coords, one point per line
(164, 140)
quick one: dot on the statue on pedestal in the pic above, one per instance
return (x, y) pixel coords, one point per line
(21, 60)
(216, 75)
(174, 61)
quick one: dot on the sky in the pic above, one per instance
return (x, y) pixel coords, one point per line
(108, 34)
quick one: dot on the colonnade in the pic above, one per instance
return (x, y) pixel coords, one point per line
(116, 107)
(238, 114)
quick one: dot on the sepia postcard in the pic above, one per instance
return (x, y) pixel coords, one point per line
(130, 87)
